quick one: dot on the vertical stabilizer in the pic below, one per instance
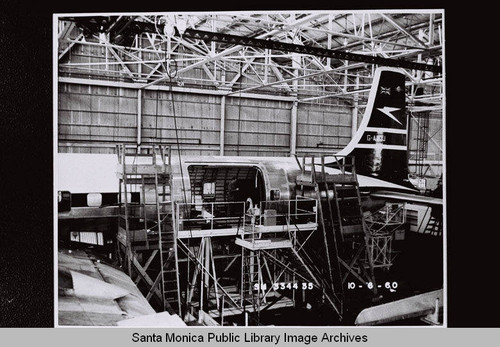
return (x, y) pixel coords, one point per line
(380, 145)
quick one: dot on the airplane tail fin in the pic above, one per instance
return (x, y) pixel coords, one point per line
(380, 146)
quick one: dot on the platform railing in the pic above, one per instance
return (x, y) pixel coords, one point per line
(300, 210)
(146, 159)
(200, 218)
(344, 163)
(210, 215)
(386, 219)
(280, 216)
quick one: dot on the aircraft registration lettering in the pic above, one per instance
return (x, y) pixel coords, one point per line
(376, 138)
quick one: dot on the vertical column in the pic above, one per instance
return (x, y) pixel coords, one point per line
(139, 115)
(266, 65)
(296, 64)
(206, 273)
(431, 29)
(222, 123)
(202, 277)
(139, 93)
(330, 29)
(293, 128)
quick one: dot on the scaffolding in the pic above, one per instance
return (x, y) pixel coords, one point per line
(272, 269)
(296, 252)
(383, 225)
(421, 133)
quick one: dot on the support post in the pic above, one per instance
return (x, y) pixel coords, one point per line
(293, 128)
(296, 64)
(139, 93)
(329, 43)
(206, 276)
(222, 123)
(222, 311)
(139, 116)
(202, 278)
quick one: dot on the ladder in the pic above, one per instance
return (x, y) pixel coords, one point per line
(422, 120)
(350, 221)
(434, 227)
(341, 218)
(251, 290)
(251, 280)
(150, 174)
(331, 236)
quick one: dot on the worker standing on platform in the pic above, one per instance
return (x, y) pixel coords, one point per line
(253, 211)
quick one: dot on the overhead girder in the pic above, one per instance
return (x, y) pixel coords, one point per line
(316, 51)
(125, 26)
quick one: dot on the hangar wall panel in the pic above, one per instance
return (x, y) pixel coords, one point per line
(257, 127)
(94, 119)
(323, 128)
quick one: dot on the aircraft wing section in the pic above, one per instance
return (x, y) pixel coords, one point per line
(414, 306)
(92, 293)
(370, 182)
(426, 200)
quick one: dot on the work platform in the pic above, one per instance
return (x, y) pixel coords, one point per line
(194, 233)
(199, 230)
(268, 226)
(256, 245)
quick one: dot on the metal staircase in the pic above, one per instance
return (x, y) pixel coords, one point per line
(340, 216)
(321, 184)
(149, 222)
(434, 227)
(351, 223)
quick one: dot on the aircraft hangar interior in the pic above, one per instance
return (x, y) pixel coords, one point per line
(250, 168)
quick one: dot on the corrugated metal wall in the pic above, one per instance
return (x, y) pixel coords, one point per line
(94, 118)
(323, 128)
(197, 118)
(91, 115)
(257, 127)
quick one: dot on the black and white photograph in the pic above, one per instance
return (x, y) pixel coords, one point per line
(250, 169)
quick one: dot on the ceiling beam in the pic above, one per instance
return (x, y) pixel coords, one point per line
(316, 51)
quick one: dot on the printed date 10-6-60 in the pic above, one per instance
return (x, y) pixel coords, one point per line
(370, 285)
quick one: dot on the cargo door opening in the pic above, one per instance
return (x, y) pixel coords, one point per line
(220, 193)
